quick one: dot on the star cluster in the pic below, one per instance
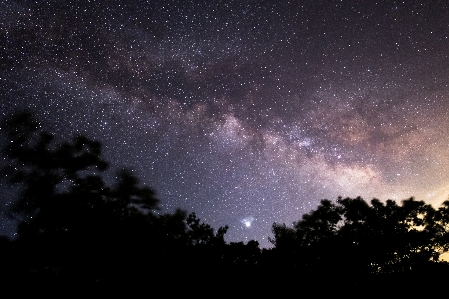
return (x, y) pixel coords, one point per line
(246, 112)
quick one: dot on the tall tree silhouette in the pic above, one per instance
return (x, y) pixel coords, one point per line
(42, 166)
(75, 229)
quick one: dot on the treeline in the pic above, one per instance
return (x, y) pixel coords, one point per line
(365, 239)
(77, 232)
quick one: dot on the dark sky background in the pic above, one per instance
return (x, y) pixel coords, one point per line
(246, 112)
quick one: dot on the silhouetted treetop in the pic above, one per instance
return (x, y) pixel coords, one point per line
(71, 220)
(202, 233)
(41, 165)
(374, 238)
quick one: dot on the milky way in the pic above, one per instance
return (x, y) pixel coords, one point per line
(246, 112)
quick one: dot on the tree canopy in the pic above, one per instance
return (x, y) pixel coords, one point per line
(74, 227)
(76, 230)
(366, 238)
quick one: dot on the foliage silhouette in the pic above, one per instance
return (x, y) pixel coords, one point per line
(361, 239)
(76, 231)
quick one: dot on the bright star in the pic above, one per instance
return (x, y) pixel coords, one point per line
(247, 221)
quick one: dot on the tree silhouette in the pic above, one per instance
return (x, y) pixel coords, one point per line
(364, 238)
(202, 233)
(41, 166)
(76, 229)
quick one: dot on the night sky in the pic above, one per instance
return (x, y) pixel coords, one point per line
(245, 112)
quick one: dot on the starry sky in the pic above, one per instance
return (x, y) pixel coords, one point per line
(245, 112)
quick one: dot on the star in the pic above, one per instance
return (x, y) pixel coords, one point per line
(247, 221)
(246, 108)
